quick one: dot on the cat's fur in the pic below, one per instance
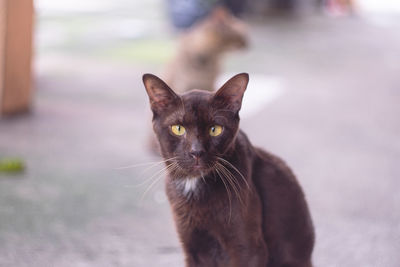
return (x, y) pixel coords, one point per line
(234, 205)
(196, 63)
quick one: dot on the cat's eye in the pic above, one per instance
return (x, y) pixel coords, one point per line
(215, 130)
(178, 129)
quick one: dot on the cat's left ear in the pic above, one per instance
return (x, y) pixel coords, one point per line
(230, 95)
(161, 96)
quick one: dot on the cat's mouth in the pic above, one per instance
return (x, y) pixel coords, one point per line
(195, 167)
(198, 164)
(199, 167)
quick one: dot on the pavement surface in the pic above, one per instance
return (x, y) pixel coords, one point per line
(335, 121)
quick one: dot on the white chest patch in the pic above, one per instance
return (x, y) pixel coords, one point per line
(188, 185)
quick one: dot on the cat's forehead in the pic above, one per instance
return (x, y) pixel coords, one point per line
(196, 99)
(195, 106)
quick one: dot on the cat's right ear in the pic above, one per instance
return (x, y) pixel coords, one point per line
(161, 96)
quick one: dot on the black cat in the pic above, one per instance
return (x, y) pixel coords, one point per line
(234, 204)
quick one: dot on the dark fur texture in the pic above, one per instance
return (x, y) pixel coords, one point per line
(233, 204)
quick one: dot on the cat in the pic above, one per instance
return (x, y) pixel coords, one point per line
(233, 204)
(196, 64)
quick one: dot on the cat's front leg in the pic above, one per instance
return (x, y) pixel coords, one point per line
(193, 260)
(249, 256)
(201, 249)
(244, 241)
(243, 251)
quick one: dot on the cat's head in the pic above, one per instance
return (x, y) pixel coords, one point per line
(220, 31)
(198, 127)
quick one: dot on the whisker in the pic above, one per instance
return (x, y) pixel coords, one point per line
(160, 162)
(228, 172)
(151, 177)
(202, 177)
(144, 164)
(233, 167)
(232, 181)
(137, 165)
(163, 171)
(227, 191)
(151, 167)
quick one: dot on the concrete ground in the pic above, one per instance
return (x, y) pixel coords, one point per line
(336, 122)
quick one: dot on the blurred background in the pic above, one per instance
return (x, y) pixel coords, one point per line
(74, 173)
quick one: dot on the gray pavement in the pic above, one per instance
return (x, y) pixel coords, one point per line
(336, 123)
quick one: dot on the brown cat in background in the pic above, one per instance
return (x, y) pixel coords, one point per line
(196, 64)
(234, 205)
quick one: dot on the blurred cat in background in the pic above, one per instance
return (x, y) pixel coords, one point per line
(197, 61)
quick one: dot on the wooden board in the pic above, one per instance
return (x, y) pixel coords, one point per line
(16, 25)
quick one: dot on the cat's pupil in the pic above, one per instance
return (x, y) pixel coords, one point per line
(213, 129)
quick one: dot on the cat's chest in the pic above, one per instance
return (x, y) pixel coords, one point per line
(188, 187)
(197, 201)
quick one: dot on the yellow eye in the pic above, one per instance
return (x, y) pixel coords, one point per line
(178, 129)
(215, 130)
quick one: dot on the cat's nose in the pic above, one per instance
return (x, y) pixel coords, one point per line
(196, 150)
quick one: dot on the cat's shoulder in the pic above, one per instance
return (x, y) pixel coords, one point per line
(262, 159)
(270, 164)
(267, 157)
